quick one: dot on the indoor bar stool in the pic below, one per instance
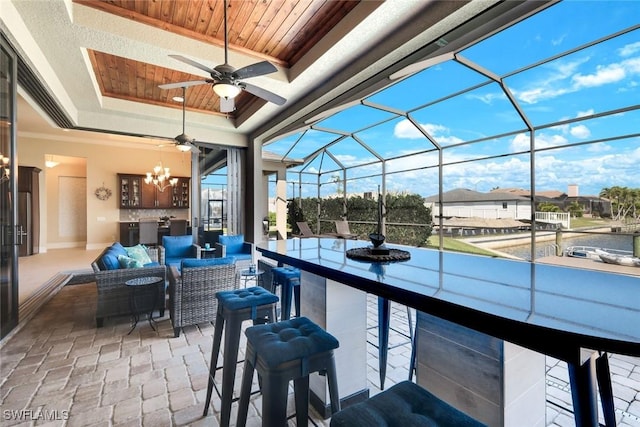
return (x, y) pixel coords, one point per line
(289, 280)
(281, 352)
(234, 307)
(405, 404)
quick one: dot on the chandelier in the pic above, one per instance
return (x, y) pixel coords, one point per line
(160, 177)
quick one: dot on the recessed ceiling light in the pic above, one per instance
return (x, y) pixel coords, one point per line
(178, 98)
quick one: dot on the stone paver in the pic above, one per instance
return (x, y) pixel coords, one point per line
(78, 375)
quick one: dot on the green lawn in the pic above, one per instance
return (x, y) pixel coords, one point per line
(451, 244)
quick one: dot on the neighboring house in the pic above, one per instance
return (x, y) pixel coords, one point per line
(591, 205)
(467, 203)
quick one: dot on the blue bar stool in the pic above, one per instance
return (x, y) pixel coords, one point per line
(281, 352)
(406, 404)
(234, 307)
(289, 280)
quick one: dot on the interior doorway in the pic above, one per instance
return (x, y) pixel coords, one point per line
(66, 199)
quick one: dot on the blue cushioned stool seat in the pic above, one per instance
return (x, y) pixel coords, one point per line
(234, 307)
(245, 298)
(289, 279)
(281, 352)
(403, 405)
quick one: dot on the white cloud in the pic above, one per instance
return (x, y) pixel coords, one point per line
(488, 98)
(599, 148)
(534, 95)
(580, 131)
(632, 65)
(603, 75)
(585, 113)
(520, 142)
(404, 129)
(559, 40)
(629, 49)
(350, 159)
(564, 77)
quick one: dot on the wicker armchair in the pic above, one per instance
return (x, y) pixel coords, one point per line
(192, 292)
(113, 294)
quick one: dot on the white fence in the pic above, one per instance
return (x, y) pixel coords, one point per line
(563, 218)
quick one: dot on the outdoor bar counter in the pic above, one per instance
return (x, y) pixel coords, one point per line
(484, 324)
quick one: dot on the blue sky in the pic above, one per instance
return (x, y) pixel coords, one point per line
(578, 84)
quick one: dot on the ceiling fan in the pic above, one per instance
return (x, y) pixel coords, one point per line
(183, 141)
(226, 80)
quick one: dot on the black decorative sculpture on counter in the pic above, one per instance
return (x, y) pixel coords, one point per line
(377, 238)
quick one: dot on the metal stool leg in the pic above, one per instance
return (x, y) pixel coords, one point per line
(301, 391)
(384, 318)
(215, 351)
(245, 392)
(583, 392)
(603, 374)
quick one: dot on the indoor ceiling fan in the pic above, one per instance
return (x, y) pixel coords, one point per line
(226, 80)
(183, 141)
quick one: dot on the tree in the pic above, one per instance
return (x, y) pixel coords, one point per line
(625, 202)
(338, 182)
(408, 220)
(575, 209)
(548, 207)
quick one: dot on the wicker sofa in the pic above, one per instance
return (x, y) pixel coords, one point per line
(192, 291)
(113, 294)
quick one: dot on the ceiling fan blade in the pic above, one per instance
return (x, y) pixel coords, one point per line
(253, 70)
(184, 84)
(263, 93)
(227, 105)
(193, 63)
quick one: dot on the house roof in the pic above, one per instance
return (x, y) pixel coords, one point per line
(461, 195)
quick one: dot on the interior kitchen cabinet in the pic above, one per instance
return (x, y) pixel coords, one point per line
(181, 193)
(130, 191)
(136, 194)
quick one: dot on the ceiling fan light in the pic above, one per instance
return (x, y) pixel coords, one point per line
(226, 90)
(184, 147)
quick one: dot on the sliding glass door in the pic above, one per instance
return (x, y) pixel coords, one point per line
(9, 230)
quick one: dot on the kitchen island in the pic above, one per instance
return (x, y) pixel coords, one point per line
(485, 312)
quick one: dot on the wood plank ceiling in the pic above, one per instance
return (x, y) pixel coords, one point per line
(279, 31)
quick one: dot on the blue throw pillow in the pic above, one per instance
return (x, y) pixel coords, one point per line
(126, 262)
(118, 248)
(138, 252)
(234, 244)
(110, 260)
(206, 262)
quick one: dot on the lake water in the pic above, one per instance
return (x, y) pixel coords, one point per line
(620, 242)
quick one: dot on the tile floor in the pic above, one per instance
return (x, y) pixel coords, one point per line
(59, 370)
